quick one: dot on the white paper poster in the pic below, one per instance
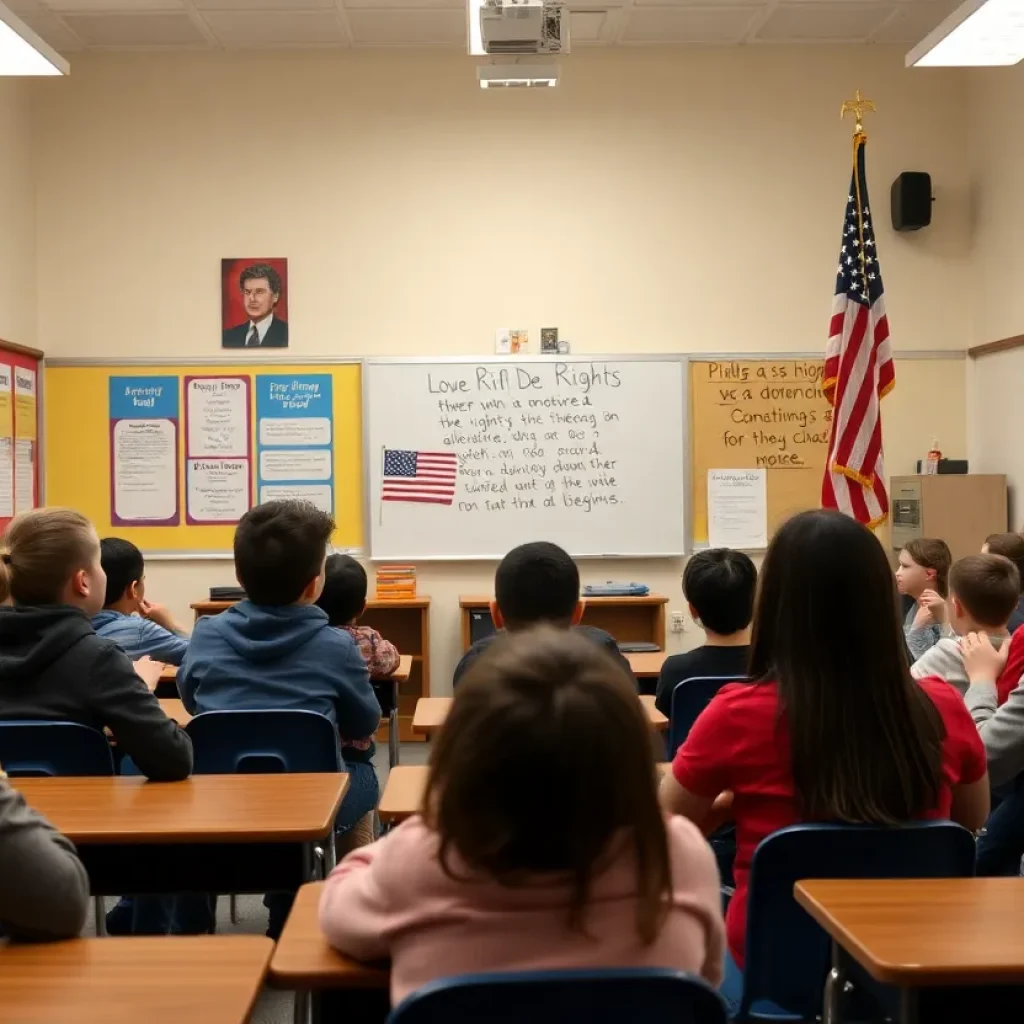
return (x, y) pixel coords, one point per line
(145, 471)
(737, 508)
(218, 417)
(6, 477)
(320, 496)
(218, 490)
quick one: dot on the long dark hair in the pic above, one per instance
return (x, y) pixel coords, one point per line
(865, 738)
(546, 763)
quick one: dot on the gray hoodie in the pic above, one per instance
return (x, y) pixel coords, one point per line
(44, 890)
(1001, 729)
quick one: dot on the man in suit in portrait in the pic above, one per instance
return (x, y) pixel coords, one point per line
(260, 285)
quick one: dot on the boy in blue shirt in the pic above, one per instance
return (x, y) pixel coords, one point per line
(277, 650)
(136, 625)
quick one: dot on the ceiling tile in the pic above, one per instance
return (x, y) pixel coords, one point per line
(835, 21)
(262, 5)
(275, 28)
(128, 30)
(587, 26)
(113, 6)
(50, 30)
(686, 24)
(912, 22)
(408, 28)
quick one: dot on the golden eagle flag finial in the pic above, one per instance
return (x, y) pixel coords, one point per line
(858, 106)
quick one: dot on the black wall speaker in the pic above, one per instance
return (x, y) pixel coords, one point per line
(912, 201)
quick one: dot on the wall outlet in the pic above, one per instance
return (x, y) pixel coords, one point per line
(678, 622)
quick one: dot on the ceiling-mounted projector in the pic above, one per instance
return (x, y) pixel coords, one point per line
(517, 27)
(518, 76)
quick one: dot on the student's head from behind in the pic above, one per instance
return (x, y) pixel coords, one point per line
(280, 550)
(536, 583)
(125, 569)
(1009, 545)
(983, 593)
(52, 556)
(544, 762)
(344, 595)
(719, 586)
(865, 739)
(924, 565)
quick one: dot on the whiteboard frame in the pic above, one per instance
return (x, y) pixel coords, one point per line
(683, 360)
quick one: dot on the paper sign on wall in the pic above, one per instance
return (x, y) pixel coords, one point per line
(737, 508)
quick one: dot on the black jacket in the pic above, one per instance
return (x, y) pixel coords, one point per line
(276, 336)
(54, 666)
(598, 636)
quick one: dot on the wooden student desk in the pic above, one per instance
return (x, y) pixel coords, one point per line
(628, 619)
(405, 621)
(646, 664)
(305, 963)
(159, 980)
(403, 792)
(136, 836)
(953, 946)
(432, 711)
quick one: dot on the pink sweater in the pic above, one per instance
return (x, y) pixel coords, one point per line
(393, 900)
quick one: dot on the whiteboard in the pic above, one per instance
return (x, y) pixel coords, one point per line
(467, 459)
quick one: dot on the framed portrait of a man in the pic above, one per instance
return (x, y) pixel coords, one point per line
(254, 303)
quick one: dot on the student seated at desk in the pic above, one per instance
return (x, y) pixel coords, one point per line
(922, 575)
(52, 663)
(1011, 546)
(44, 890)
(541, 844)
(983, 593)
(833, 727)
(719, 586)
(139, 627)
(276, 649)
(343, 600)
(538, 584)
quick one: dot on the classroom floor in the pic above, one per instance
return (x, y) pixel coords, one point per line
(274, 1006)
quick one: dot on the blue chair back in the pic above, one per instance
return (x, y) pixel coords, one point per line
(787, 953)
(263, 742)
(651, 995)
(39, 749)
(689, 698)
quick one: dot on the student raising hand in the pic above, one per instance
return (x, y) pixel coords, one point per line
(984, 664)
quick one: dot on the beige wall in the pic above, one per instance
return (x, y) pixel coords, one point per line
(996, 383)
(17, 215)
(658, 200)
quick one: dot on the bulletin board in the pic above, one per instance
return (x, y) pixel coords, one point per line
(19, 430)
(759, 414)
(169, 455)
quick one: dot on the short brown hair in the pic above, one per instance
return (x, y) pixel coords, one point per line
(1009, 545)
(43, 549)
(932, 553)
(545, 760)
(988, 586)
(279, 547)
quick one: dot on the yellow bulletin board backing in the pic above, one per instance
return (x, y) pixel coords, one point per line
(78, 446)
(750, 412)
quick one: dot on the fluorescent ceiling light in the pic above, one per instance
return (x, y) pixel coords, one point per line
(979, 33)
(476, 42)
(518, 76)
(22, 52)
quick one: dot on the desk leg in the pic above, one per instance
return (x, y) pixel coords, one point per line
(99, 914)
(302, 1012)
(908, 1006)
(832, 1011)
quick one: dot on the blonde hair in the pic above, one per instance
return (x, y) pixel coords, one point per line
(42, 549)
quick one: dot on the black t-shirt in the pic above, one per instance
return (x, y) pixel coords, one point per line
(704, 661)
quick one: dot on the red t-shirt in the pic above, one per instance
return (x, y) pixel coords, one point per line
(1014, 669)
(741, 743)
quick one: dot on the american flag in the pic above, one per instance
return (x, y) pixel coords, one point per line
(419, 476)
(858, 365)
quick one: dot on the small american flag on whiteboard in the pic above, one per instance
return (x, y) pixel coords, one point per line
(419, 476)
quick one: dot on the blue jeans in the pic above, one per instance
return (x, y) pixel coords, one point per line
(195, 914)
(1001, 846)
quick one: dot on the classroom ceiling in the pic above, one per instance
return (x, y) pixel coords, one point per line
(72, 26)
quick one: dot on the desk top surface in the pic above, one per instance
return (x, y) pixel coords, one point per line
(160, 980)
(173, 708)
(401, 674)
(431, 712)
(925, 931)
(303, 960)
(202, 809)
(646, 663)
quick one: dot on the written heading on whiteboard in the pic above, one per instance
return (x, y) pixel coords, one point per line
(776, 413)
(542, 445)
(470, 459)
